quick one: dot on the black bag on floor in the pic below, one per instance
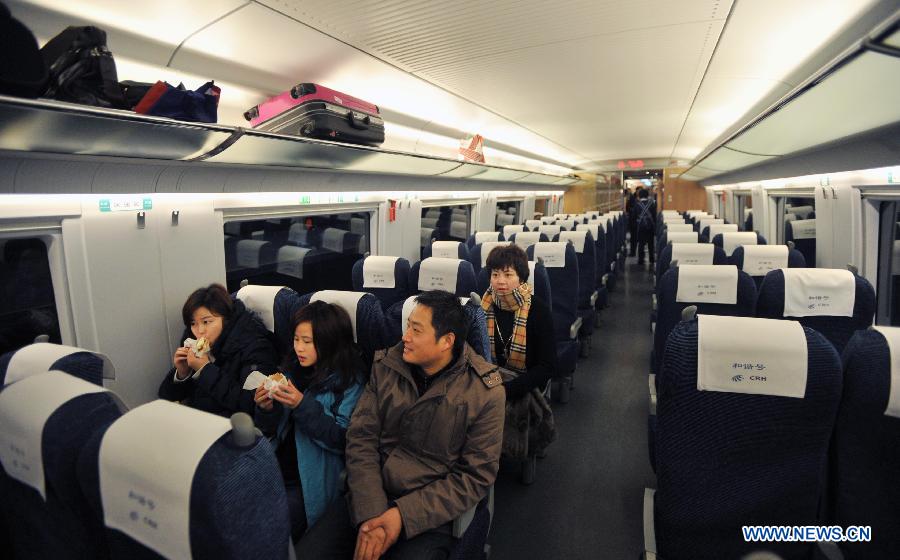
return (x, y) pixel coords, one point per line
(22, 69)
(82, 70)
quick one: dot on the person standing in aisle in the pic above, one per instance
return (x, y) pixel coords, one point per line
(645, 223)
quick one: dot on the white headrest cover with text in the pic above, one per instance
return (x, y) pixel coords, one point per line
(693, 253)
(760, 259)
(438, 274)
(482, 236)
(707, 284)
(348, 300)
(261, 300)
(818, 291)
(378, 272)
(731, 240)
(552, 252)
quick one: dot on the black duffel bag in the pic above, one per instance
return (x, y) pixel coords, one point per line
(22, 70)
(82, 69)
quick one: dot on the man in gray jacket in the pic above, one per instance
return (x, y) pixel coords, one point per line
(423, 445)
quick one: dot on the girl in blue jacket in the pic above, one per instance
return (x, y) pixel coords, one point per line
(309, 415)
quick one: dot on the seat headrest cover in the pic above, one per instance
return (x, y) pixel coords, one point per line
(526, 239)
(812, 292)
(683, 237)
(248, 252)
(482, 236)
(445, 249)
(674, 227)
(750, 355)
(290, 260)
(550, 231)
(567, 223)
(531, 265)
(488, 246)
(25, 407)
(438, 274)
(707, 284)
(147, 462)
(408, 305)
(429, 223)
(804, 229)
(40, 356)
(595, 229)
(731, 240)
(706, 222)
(693, 253)
(892, 336)
(670, 213)
(333, 239)
(348, 300)
(425, 234)
(560, 216)
(548, 219)
(378, 272)
(790, 217)
(510, 230)
(716, 229)
(298, 233)
(802, 211)
(601, 224)
(553, 253)
(261, 300)
(459, 229)
(531, 224)
(577, 237)
(760, 259)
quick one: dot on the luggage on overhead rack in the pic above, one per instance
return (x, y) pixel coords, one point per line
(314, 111)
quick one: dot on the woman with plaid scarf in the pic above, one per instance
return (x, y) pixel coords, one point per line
(519, 325)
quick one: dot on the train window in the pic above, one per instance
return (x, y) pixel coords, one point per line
(889, 266)
(744, 211)
(540, 207)
(446, 223)
(28, 306)
(306, 253)
(508, 213)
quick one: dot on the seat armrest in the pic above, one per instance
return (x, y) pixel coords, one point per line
(594, 297)
(652, 383)
(654, 301)
(612, 266)
(576, 326)
(604, 280)
(461, 523)
(649, 525)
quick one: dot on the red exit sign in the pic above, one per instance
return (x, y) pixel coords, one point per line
(631, 164)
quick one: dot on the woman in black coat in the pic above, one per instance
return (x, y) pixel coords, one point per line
(520, 325)
(210, 377)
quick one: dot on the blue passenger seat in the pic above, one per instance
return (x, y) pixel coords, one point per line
(387, 278)
(365, 314)
(803, 235)
(763, 258)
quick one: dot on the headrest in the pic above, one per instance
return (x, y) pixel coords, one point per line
(716, 229)
(760, 259)
(595, 229)
(511, 230)
(348, 300)
(505, 219)
(232, 228)
(488, 246)
(693, 253)
(531, 224)
(790, 217)
(482, 236)
(433, 213)
(147, 472)
(818, 291)
(425, 235)
(430, 223)
(750, 355)
(690, 213)
(527, 238)
(568, 223)
(290, 260)
(592, 214)
(706, 222)
(561, 216)
(531, 265)
(378, 272)
(358, 226)
(298, 233)
(731, 240)
(41, 356)
(248, 252)
(673, 219)
(804, 229)
(598, 222)
(445, 249)
(552, 252)
(261, 300)
(802, 211)
(333, 239)
(438, 274)
(577, 238)
(683, 237)
(707, 284)
(892, 336)
(548, 219)
(550, 231)
(459, 230)
(673, 227)
(670, 213)
(25, 407)
(408, 305)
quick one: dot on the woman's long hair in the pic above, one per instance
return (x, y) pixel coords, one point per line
(335, 349)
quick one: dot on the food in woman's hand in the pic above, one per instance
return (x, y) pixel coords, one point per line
(273, 382)
(202, 347)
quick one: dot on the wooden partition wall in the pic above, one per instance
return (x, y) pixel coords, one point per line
(680, 194)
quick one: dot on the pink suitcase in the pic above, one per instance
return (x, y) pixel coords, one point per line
(315, 111)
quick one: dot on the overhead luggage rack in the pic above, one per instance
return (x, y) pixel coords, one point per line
(49, 126)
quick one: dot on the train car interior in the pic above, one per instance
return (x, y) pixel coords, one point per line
(695, 204)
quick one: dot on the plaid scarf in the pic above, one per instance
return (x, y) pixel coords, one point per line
(519, 301)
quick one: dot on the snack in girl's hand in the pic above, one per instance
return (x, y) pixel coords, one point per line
(273, 382)
(199, 347)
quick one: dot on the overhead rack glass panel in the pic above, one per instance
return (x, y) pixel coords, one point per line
(37, 125)
(860, 95)
(725, 159)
